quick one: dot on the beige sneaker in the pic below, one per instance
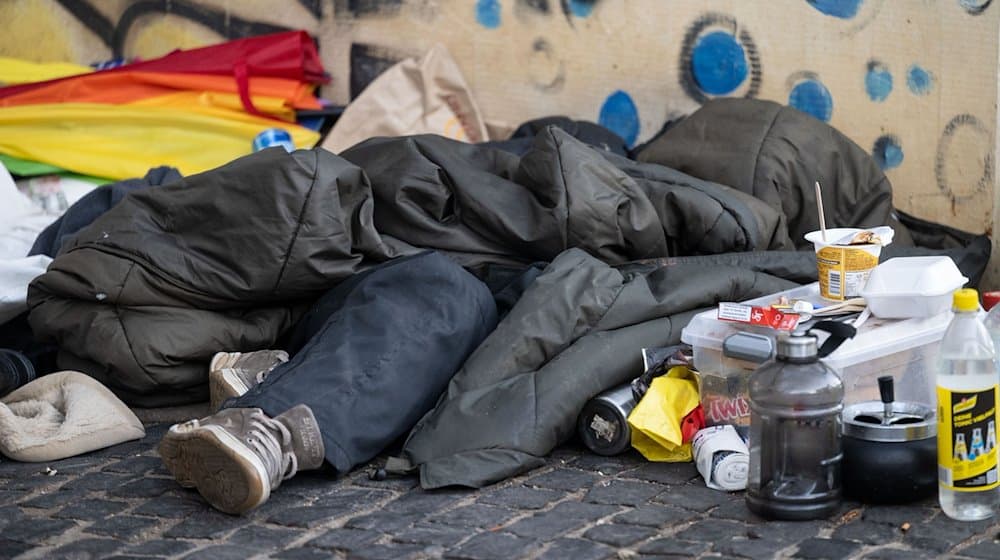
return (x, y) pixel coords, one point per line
(231, 374)
(237, 456)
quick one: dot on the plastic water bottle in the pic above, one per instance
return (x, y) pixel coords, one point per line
(968, 389)
(795, 424)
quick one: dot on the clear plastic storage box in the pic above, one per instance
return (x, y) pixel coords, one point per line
(904, 348)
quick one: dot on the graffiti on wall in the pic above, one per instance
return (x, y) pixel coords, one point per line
(711, 54)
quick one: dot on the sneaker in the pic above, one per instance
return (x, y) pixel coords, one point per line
(231, 374)
(237, 456)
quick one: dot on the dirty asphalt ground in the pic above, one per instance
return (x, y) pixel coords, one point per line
(121, 503)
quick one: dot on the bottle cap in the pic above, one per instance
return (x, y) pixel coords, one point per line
(966, 299)
(798, 346)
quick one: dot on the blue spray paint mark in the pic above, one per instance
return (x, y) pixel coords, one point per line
(887, 152)
(812, 97)
(581, 8)
(843, 9)
(488, 13)
(878, 81)
(620, 115)
(975, 7)
(919, 80)
(718, 63)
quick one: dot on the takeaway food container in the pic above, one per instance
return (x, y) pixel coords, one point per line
(906, 349)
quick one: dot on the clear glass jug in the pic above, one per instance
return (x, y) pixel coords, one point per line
(795, 429)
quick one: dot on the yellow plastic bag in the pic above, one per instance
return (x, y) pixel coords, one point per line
(656, 419)
(121, 141)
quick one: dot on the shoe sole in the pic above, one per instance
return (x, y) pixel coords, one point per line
(226, 473)
(223, 360)
(222, 386)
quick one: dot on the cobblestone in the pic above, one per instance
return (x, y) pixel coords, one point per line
(119, 503)
(86, 548)
(868, 533)
(90, 510)
(384, 521)
(441, 535)
(826, 549)
(475, 515)
(619, 535)
(163, 547)
(489, 546)
(521, 497)
(899, 554)
(654, 516)
(32, 530)
(985, 549)
(543, 525)
(672, 546)
(170, 506)
(305, 517)
(623, 492)
(222, 552)
(386, 552)
(577, 549)
(206, 525)
(123, 527)
(57, 498)
(345, 539)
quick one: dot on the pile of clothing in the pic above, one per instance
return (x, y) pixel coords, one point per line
(469, 296)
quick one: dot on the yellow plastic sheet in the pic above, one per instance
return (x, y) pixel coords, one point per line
(16, 71)
(656, 419)
(121, 141)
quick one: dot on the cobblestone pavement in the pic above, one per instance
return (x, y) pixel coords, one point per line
(121, 503)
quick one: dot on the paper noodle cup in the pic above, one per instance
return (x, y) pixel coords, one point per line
(843, 269)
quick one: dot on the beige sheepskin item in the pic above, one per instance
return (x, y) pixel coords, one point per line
(61, 415)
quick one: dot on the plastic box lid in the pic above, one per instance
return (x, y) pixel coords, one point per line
(875, 338)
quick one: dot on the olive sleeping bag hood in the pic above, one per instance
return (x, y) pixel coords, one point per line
(777, 154)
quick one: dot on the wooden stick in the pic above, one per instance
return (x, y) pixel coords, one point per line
(819, 207)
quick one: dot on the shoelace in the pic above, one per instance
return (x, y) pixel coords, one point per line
(263, 438)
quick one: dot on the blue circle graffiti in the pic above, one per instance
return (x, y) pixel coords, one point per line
(843, 9)
(718, 63)
(975, 7)
(878, 81)
(581, 8)
(887, 152)
(488, 13)
(811, 97)
(620, 115)
(919, 80)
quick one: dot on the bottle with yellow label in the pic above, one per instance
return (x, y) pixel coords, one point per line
(968, 390)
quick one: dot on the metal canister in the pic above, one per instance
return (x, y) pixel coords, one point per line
(603, 422)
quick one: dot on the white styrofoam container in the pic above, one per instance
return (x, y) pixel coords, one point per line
(906, 287)
(904, 348)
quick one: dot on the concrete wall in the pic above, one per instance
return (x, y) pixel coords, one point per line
(912, 81)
